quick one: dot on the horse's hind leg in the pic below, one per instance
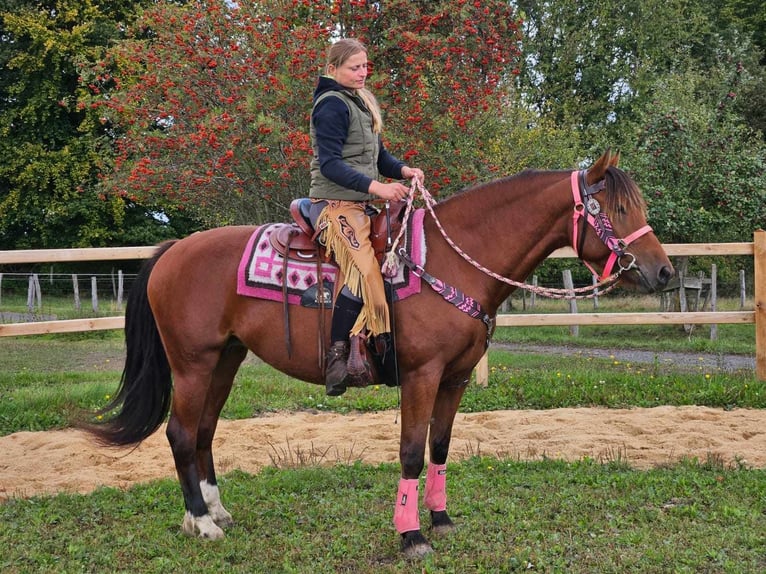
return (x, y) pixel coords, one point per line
(192, 384)
(223, 377)
(435, 495)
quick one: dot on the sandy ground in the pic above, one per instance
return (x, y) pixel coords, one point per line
(36, 463)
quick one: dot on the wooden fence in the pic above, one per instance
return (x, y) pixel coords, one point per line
(757, 249)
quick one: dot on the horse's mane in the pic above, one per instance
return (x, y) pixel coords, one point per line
(621, 192)
(514, 179)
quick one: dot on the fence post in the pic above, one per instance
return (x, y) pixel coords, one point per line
(713, 300)
(76, 289)
(594, 281)
(482, 371)
(33, 292)
(119, 289)
(574, 330)
(759, 294)
(742, 289)
(38, 293)
(94, 293)
(31, 296)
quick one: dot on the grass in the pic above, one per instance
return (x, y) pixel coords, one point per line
(547, 516)
(512, 515)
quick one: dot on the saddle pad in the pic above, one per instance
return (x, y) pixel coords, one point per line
(261, 268)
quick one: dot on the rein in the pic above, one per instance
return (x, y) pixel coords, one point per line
(595, 217)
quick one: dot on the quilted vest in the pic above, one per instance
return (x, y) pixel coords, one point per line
(360, 151)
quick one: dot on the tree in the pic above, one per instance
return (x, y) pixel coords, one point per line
(209, 102)
(702, 169)
(592, 66)
(48, 145)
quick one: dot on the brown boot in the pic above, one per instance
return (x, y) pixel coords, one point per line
(336, 372)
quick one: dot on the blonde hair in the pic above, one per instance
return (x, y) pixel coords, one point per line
(337, 55)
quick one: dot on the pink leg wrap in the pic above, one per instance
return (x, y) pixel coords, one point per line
(436, 487)
(406, 511)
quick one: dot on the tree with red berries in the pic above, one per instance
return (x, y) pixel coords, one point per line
(208, 103)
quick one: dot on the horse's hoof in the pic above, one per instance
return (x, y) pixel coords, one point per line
(201, 527)
(223, 520)
(415, 545)
(221, 516)
(441, 523)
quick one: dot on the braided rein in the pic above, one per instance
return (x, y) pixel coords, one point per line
(601, 287)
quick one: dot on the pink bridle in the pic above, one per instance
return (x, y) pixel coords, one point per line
(586, 206)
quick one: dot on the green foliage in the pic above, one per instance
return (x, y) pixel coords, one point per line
(118, 130)
(588, 65)
(677, 86)
(702, 171)
(50, 145)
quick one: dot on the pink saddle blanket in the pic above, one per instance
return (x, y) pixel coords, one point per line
(261, 271)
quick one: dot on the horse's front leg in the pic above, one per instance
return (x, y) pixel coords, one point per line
(435, 495)
(417, 403)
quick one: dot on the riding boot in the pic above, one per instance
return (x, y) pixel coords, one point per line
(336, 373)
(343, 318)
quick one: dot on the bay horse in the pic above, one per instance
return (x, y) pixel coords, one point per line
(187, 330)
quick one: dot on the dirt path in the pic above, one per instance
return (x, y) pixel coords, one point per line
(67, 461)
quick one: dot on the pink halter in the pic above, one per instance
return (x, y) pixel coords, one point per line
(586, 206)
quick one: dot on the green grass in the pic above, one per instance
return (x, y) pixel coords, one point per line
(46, 380)
(61, 307)
(40, 397)
(512, 516)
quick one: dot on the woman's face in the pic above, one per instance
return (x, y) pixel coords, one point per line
(352, 73)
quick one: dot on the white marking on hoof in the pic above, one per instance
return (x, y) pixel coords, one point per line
(202, 527)
(212, 497)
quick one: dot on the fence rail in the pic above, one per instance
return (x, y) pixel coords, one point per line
(757, 249)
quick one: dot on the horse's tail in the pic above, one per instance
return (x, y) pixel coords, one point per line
(143, 397)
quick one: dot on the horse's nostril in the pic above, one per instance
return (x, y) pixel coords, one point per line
(665, 275)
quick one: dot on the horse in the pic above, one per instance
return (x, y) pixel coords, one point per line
(187, 330)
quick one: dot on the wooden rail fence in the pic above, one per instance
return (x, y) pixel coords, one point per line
(757, 249)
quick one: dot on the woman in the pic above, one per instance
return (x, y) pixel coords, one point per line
(349, 156)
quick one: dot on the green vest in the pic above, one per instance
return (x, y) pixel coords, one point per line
(360, 151)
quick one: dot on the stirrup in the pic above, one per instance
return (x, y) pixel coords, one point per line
(359, 371)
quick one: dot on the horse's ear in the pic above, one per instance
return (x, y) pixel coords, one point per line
(598, 170)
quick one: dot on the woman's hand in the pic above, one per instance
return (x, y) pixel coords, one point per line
(410, 172)
(394, 191)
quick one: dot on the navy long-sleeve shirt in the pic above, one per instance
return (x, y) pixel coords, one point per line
(331, 122)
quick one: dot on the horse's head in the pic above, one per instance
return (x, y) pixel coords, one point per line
(610, 232)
